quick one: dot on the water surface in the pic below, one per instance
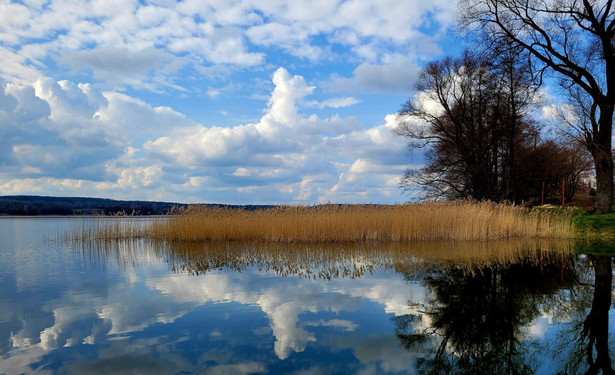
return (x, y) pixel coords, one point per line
(137, 307)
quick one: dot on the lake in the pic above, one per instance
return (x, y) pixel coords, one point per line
(143, 307)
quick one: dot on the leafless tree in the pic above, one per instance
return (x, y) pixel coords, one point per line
(473, 114)
(456, 117)
(471, 121)
(573, 41)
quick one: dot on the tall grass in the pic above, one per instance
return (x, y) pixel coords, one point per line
(463, 220)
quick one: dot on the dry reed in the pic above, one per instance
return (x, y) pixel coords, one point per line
(447, 221)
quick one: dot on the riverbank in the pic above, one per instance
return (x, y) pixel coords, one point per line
(595, 226)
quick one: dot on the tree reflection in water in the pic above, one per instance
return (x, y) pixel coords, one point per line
(476, 322)
(596, 326)
(587, 339)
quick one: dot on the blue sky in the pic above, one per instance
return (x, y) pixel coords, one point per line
(243, 101)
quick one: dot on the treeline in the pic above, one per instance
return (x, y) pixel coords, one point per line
(39, 205)
(29, 205)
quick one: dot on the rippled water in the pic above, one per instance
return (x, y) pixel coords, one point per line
(138, 307)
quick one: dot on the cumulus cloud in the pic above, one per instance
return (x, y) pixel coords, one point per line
(137, 43)
(326, 152)
(67, 136)
(120, 66)
(83, 141)
(394, 76)
(21, 117)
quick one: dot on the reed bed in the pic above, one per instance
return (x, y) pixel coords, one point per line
(446, 221)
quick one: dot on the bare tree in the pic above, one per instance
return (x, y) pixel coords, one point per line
(519, 90)
(457, 127)
(573, 40)
(471, 118)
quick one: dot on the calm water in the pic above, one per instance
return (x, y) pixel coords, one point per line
(146, 308)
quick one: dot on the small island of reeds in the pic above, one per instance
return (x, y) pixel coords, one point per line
(463, 220)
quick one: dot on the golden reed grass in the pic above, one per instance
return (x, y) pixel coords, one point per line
(462, 220)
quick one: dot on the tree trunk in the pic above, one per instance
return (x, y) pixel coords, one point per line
(604, 183)
(603, 161)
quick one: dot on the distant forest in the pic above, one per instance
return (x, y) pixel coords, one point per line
(38, 205)
(31, 205)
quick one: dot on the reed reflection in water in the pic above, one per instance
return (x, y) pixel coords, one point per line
(330, 260)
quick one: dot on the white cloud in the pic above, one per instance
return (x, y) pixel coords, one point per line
(397, 75)
(122, 66)
(152, 40)
(16, 68)
(335, 103)
(87, 142)
(293, 40)
(24, 104)
(213, 93)
(285, 145)
(67, 134)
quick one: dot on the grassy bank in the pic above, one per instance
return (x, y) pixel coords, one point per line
(342, 223)
(602, 226)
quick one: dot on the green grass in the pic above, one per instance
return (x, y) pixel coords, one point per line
(595, 225)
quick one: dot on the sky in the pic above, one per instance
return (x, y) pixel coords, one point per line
(216, 101)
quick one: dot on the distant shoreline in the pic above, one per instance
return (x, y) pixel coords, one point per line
(33, 205)
(38, 205)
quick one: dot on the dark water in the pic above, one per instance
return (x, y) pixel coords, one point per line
(149, 308)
